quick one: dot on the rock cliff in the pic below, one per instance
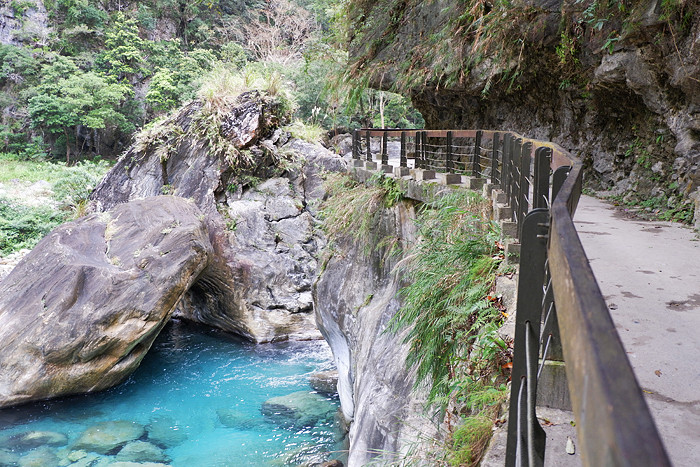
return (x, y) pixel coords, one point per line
(617, 83)
(355, 298)
(256, 191)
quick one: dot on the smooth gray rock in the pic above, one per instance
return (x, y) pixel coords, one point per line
(81, 310)
(141, 451)
(106, 436)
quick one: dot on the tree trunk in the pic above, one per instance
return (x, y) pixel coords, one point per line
(65, 132)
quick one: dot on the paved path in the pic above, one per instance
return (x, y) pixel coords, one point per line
(649, 273)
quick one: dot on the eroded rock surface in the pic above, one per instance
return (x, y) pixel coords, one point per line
(81, 310)
(356, 296)
(260, 214)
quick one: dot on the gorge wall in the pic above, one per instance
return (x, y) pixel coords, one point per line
(356, 297)
(616, 83)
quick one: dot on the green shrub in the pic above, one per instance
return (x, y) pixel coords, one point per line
(23, 226)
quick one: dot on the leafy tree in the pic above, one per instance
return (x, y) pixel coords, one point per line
(68, 98)
(123, 54)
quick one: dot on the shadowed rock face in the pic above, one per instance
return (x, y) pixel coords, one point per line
(81, 310)
(260, 217)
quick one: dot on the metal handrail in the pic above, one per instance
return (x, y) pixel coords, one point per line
(557, 285)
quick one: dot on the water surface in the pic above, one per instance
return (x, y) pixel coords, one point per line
(191, 376)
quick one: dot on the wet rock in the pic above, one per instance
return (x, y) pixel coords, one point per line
(39, 457)
(299, 409)
(104, 437)
(81, 310)
(232, 418)
(33, 439)
(325, 382)
(165, 432)
(141, 451)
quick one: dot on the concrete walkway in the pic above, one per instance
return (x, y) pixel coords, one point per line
(649, 273)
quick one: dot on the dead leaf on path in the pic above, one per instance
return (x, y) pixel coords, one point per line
(570, 448)
(657, 373)
(648, 392)
(612, 306)
(546, 422)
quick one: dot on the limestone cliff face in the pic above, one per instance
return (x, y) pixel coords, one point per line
(355, 298)
(617, 85)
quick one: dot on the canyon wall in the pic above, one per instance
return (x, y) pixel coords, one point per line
(616, 83)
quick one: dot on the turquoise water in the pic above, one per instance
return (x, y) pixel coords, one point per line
(188, 375)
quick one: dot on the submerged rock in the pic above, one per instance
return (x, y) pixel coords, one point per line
(40, 457)
(79, 312)
(8, 458)
(33, 439)
(136, 464)
(232, 418)
(106, 436)
(141, 451)
(299, 409)
(165, 432)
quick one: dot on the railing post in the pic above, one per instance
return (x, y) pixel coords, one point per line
(448, 153)
(424, 147)
(418, 151)
(495, 177)
(505, 169)
(524, 184)
(558, 179)
(369, 146)
(355, 152)
(543, 159)
(403, 162)
(526, 438)
(476, 163)
(516, 144)
(385, 154)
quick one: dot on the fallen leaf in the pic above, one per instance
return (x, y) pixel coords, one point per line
(648, 392)
(546, 422)
(508, 365)
(658, 373)
(570, 448)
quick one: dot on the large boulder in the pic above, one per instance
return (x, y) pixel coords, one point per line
(81, 310)
(257, 195)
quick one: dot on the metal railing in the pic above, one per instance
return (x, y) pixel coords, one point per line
(561, 313)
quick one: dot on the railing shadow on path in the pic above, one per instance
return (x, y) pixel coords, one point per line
(560, 314)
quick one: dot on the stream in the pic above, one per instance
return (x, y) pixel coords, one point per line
(196, 401)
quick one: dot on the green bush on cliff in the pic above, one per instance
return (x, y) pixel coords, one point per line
(353, 208)
(452, 323)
